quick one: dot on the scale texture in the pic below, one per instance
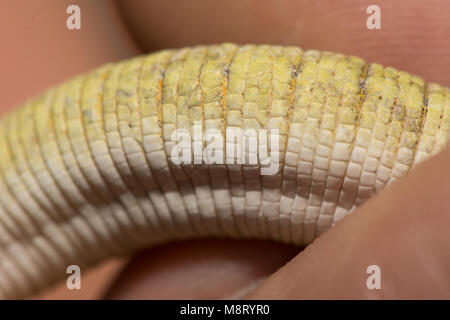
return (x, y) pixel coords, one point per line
(86, 169)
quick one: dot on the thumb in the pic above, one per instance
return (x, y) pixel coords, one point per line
(403, 232)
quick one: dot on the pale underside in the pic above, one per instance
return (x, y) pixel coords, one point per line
(86, 169)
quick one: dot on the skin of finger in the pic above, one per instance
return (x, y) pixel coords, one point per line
(38, 50)
(414, 34)
(94, 282)
(199, 269)
(403, 231)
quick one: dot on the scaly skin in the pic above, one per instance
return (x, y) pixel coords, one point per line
(86, 169)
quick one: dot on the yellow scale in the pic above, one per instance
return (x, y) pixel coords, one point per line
(88, 170)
